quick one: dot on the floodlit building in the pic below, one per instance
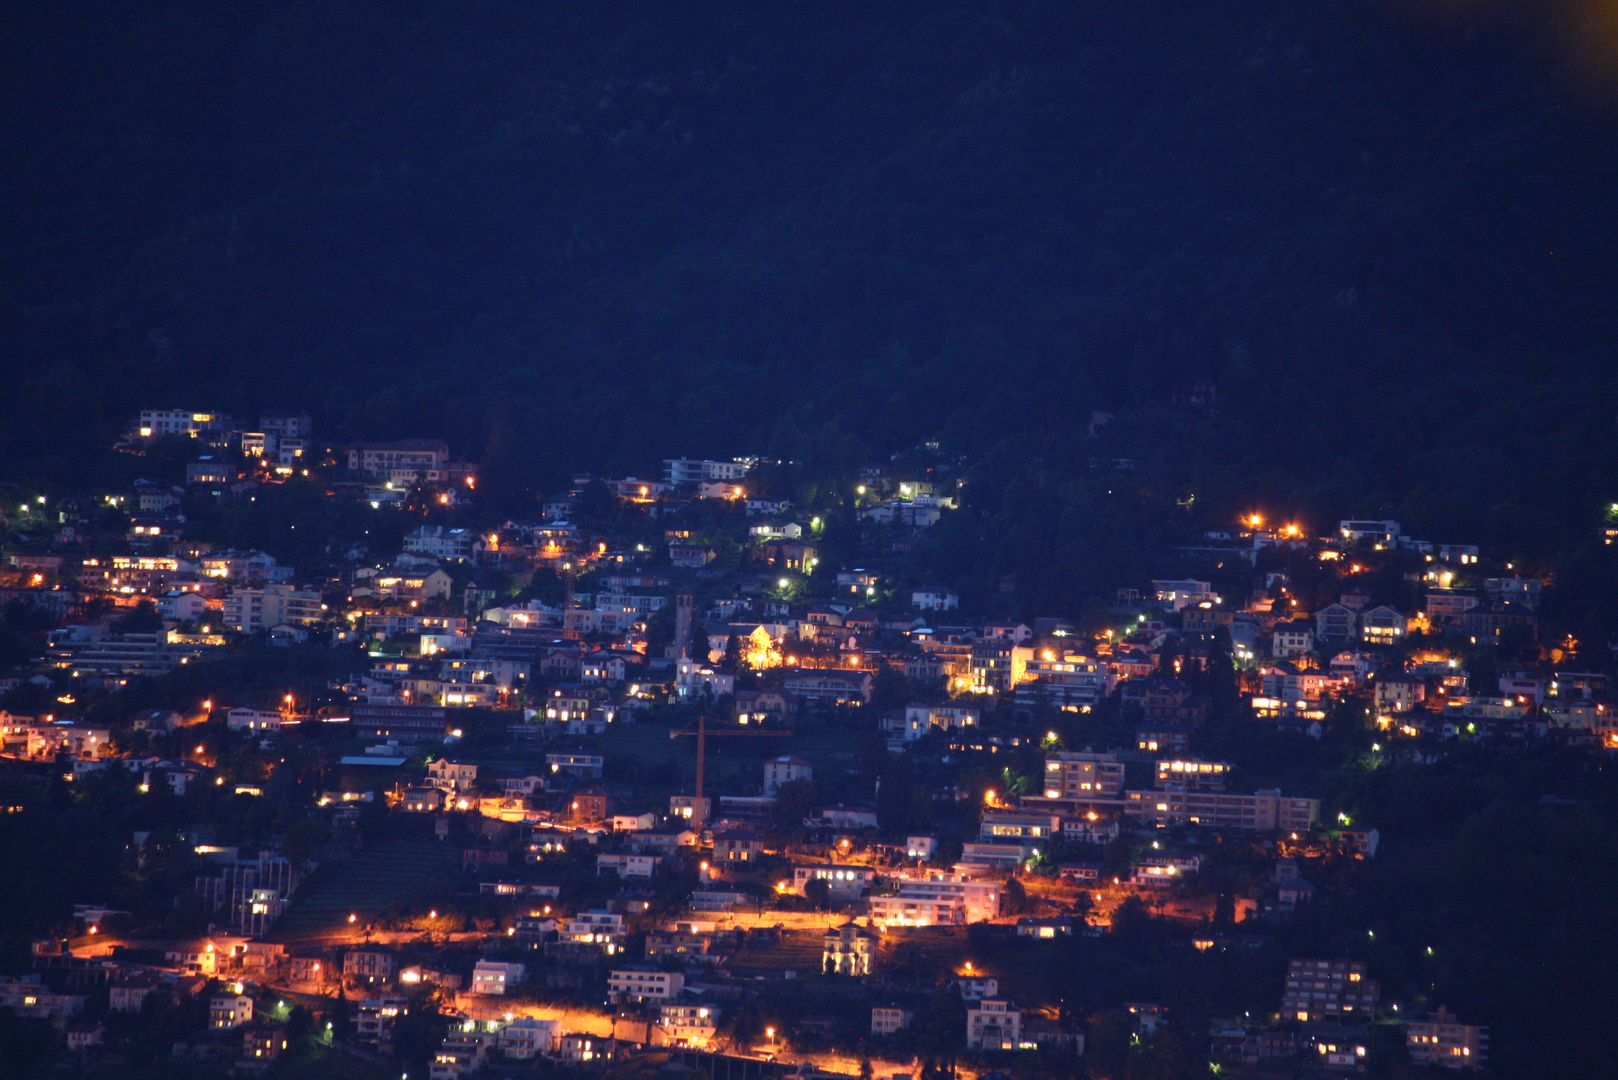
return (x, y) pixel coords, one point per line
(848, 950)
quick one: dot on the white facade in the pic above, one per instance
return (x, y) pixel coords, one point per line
(495, 977)
(253, 720)
(645, 985)
(994, 1024)
(784, 770)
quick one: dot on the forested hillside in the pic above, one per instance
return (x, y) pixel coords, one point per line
(588, 235)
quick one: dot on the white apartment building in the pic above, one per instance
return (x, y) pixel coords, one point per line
(640, 984)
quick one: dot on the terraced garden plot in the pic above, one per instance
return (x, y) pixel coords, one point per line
(382, 876)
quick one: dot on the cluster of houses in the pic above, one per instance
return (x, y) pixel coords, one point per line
(636, 629)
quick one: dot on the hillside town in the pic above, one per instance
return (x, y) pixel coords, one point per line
(675, 770)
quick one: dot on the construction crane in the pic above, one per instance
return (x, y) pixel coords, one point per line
(698, 815)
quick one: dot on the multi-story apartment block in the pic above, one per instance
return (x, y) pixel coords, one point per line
(1336, 989)
(1440, 1040)
(645, 984)
(1083, 776)
(1264, 811)
(249, 611)
(1189, 775)
(820, 687)
(998, 665)
(1070, 683)
(441, 542)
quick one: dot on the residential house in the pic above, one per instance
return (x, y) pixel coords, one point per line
(994, 1024)
(1383, 625)
(1399, 693)
(1291, 639)
(848, 950)
(440, 542)
(934, 598)
(229, 1011)
(737, 845)
(371, 965)
(526, 1038)
(451, 775)
(784, 770)
(495, 977)
(887, 1019)
(627, 865)
(691, 556)
(688, 1023)
(1336, 622)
